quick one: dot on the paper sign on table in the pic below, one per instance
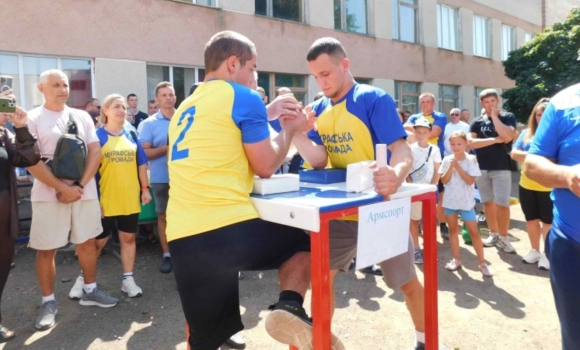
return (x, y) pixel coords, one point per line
(383, 231)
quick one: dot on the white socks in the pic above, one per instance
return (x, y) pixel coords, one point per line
(48, 298)
(166, 255)
(127, 275)
(90, 287)
(420, 337)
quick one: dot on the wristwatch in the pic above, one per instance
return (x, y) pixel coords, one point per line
(78, 184)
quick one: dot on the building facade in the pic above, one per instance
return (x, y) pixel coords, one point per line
(452, 48)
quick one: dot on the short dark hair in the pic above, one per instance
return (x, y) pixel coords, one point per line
(408, 112)
(131, 95)
(464, 110)
(162, 85)
(91, 100)
(488, 93)
(150, 101)
(329, 46)
(225, 44)
(194, 87)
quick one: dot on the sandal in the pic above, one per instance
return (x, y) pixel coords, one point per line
(453, 265)
(6, 334)
(485, 271)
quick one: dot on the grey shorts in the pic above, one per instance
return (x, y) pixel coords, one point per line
(495, 185)
(397, 271)
(161, 194)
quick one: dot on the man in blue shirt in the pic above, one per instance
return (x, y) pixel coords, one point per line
(154, 140)
(554, 161)
(438, 121)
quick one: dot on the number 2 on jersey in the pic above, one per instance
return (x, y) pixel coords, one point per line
(184, 153)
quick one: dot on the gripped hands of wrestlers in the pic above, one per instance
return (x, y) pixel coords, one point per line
(284, 105)
(386, 180)
(294, 124)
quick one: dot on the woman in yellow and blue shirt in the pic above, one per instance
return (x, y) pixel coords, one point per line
(534, 198)
(122, 183)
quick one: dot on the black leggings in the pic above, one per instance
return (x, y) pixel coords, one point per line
(6, 243)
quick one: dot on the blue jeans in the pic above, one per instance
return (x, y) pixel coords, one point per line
(564, 255)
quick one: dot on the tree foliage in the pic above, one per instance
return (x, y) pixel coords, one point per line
(543, 66)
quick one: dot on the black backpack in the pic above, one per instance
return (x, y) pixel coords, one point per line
(70, 155)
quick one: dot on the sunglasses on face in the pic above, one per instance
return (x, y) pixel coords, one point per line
(454, 114)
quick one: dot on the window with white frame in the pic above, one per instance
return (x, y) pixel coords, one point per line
(407, 96)
(25, 71)
(447, 27)
(297, 83)
(292, 10)
(481, 36)
(181, 77)
(508, 41)
(477, 105)
(367, 81)
(448, 97)
(351, 16)
(528, 37)
(405, 20)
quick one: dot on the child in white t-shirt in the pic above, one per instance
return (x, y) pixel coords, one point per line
(459, 171)
(426, 162)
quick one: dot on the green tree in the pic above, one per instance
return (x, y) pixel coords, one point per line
(543, 66)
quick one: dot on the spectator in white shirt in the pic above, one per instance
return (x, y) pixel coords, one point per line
(456, 124)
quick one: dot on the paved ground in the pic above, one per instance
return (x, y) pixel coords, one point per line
(514, 310)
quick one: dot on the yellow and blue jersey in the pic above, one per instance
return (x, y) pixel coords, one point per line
(436, 119)
(118, 178)
(210, 177)
(351, 127)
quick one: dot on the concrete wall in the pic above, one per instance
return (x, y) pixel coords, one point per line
(320, 13)
(466, 30)
(558, 10)
(122, 77)
(527, 10)
(428, 23)
(467, 96)
(382, 14)
(386, 84)
(247, 6)
(495, 41)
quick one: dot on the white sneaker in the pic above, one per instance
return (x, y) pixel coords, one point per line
(544, 263)
(505, 244)
(533, 257)
(131, 288)
(76, 291)
(491, 241)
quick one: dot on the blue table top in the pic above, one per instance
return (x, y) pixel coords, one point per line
(326, 197)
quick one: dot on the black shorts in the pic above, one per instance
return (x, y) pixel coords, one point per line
(206, 269)
(536, 205)
(125, 223)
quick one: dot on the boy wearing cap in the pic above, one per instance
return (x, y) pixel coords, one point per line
(426, 162)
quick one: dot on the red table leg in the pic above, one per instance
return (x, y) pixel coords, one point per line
(187, 336)
(320, 260)
(430, 271)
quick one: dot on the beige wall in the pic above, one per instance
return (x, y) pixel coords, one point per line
(527, 10)
(122, 77)
(428, 23)
(382, 14)
(247, 6)
(148, 36)
(386, 84)
(466, 26)
(558, 10)
(320, 13)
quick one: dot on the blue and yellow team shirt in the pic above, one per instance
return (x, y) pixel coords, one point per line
(210, 178)
(351, 127)
(436, 119)
(118, 178)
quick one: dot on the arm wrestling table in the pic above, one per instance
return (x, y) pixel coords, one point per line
(314, 206)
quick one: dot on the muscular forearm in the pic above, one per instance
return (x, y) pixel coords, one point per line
(314, 154)
(154, 153)
(546, 172)
(281, 145)
(401, 159)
